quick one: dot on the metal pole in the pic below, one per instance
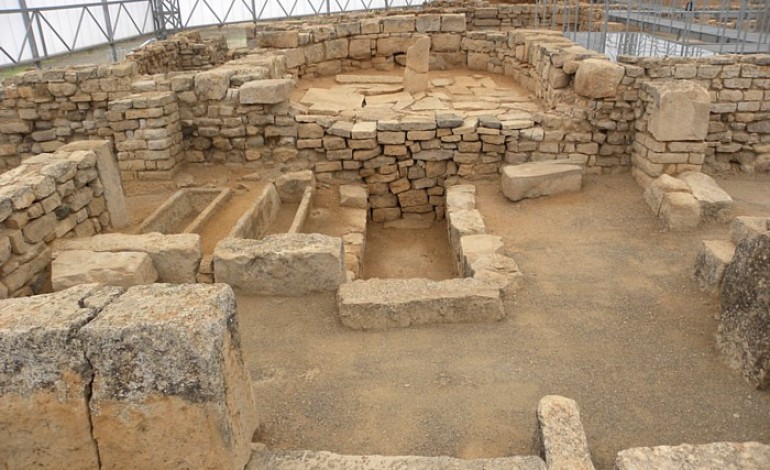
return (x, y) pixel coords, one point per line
(30, 36)
(110, 32)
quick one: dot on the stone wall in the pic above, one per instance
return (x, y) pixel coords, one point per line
(183, 51)
(96, 376)
(71, 193)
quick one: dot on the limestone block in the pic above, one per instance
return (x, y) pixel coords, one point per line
(596, 78)
(171, 389)
(680, 211)
(743, 455)
(265, 91)
(530, 180)
(45, 381)
(213, 84)
(109, 175)
(123, 269)
(710, 264)
(415, 82)
(263, 459)
(418, 55)
(743, 335)
(176, 257)
(353, 195)
(680, 111)
(462, 222)
(285, 264)
(291, 186)
(398, 24)
(744, 227)
(390, 303)
(497, 270)
(460, 197)
(654, 192)
(474, 246)
(560, 434)
(453, 23)
(716, 205)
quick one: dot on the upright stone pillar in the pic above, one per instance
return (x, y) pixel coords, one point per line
(670, 135)
(417, 62)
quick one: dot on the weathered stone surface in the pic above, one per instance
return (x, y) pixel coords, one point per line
(536, 179)
(474, 246)
(122, 269)
(460, 197)
(497, 270)
(716, 205)
(418, 55)
(723, 455)
(353, 195)
(265, 91)
(654, 192)
(743, 335)
(291, 186)
(45, 381)
(213, 84)
(710, 264)
(680, 111)
(109, 175)
(176, 257)
(300, 460)
(597, 78)
(286, 264)
(561, 435)
(680, 211)
(171, 389)
(743, 227)
(415, 82)
(460, 223)
(390, 303)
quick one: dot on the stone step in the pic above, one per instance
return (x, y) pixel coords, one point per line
(262, 459)
(530, 180)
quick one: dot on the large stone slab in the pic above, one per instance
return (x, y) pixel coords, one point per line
(717, 455)
(530, 180)
(710, 264)
(597, 78)
(123, 269)
(265, 91)
(743, 335)
(45, 381)
(171, 389)
(680, 111)
(716, 205)
(338, 99)
(286, 264)
(400, 303)
(561, 435)
(264, 459)
(176, 257)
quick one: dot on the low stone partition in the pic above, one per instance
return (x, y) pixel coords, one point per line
(176, 257)
(253, 224)
(560, 434)
(97, 377)
(286, 265)
(400, 303)
(49, 197)
(742, 455)
(186, 211)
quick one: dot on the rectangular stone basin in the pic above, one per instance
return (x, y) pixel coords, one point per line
(269, 215)
(186, 211)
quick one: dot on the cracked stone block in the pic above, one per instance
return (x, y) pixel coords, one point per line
(743, 334)
(530, 180)
(716, 205)
(45, 380)
(657, 189)
(743, 455)
(710, 264)
(170, 389)
(561, 436)
(284, 264)
(353, 195)
(400, 303)
(680, 211)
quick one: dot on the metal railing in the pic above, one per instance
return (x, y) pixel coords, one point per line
(30, 34)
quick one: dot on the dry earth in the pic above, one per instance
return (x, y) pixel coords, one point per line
(608, 316)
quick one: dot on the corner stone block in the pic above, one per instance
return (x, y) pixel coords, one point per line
(680, 111)
(596, 78)
(743, 334)
(561, 435)
(45, 380)
(171, 390)
(265, 91)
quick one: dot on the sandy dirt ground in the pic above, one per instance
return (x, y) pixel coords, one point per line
(607, 315)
